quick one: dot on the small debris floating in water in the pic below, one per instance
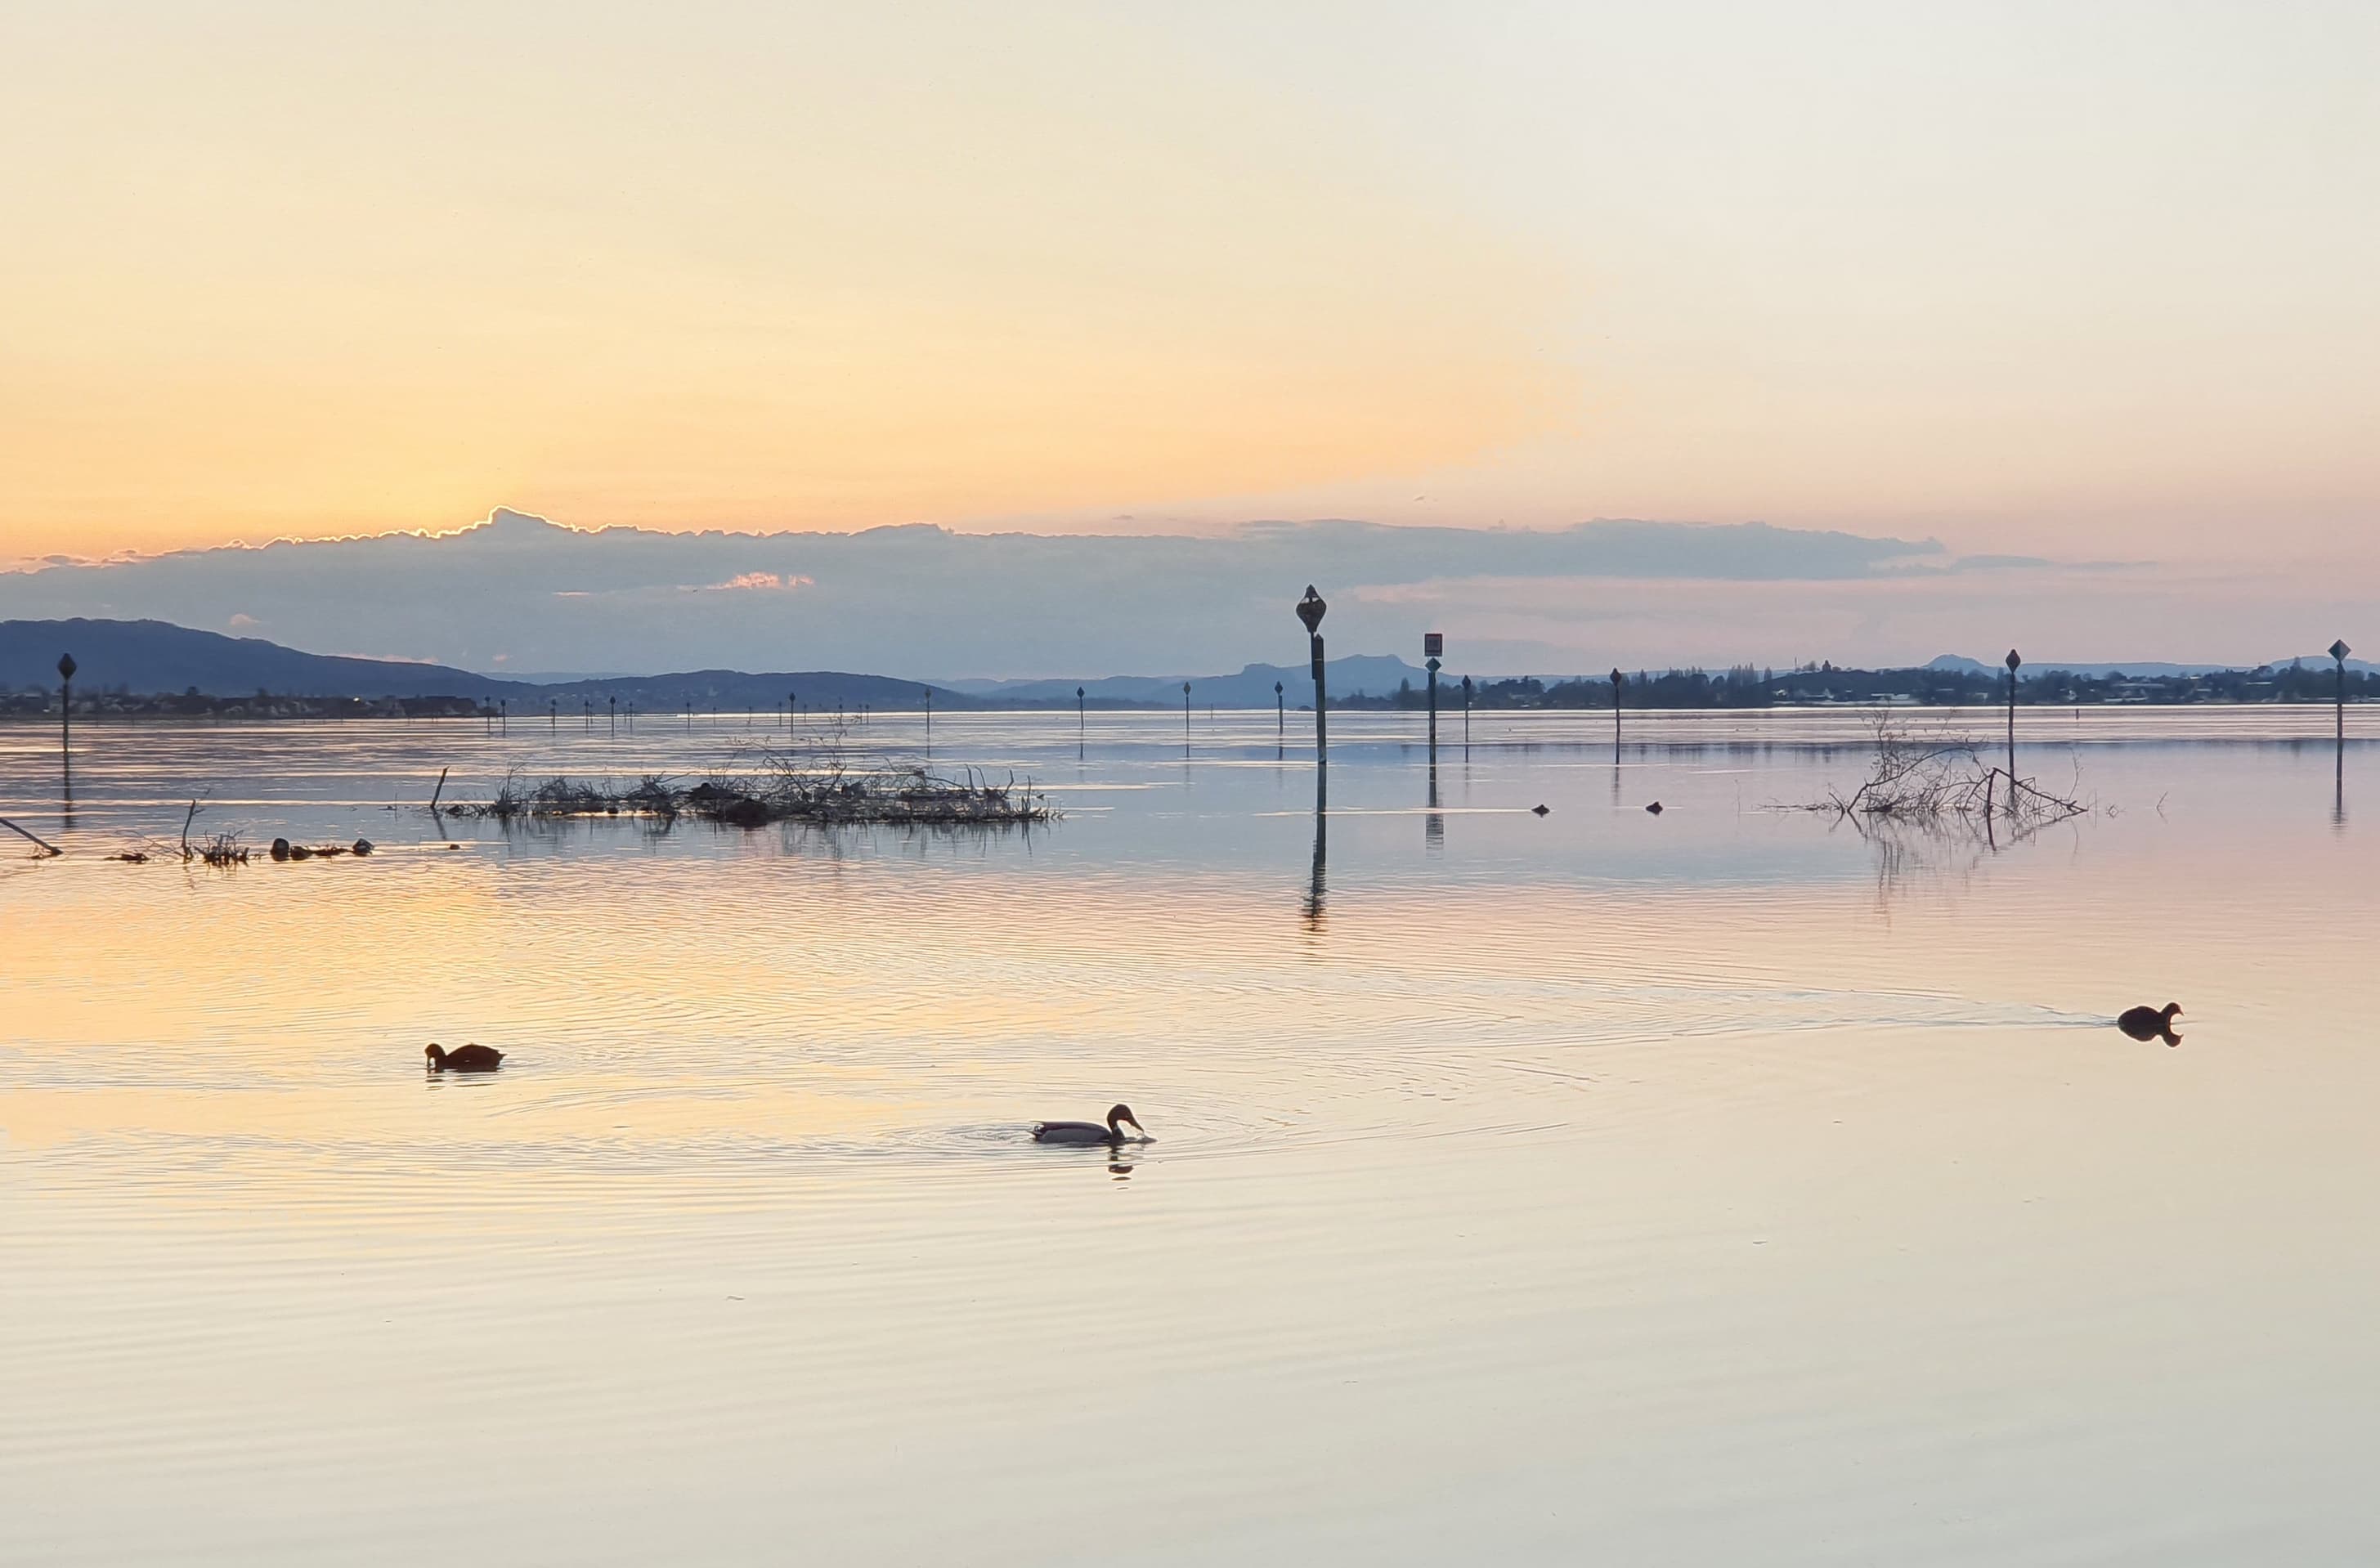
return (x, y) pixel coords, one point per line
(1655, 808)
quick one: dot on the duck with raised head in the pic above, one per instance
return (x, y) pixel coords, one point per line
(2151, 1023)
(464, 1058)
(1092, 1132)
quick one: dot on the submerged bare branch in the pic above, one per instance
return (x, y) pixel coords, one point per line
(1931, 779)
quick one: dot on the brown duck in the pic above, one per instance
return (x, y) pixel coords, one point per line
(464, 1058)
(2151, 1023)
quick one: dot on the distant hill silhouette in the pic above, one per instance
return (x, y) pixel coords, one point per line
(152, 657)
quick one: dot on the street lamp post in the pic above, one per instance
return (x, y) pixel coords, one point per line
(1617, 681)
(1310, 609)
(65, 716)
(1432, 645)
(1466, 715)
(2338, 653)
(2014, 664)
(1279, 715)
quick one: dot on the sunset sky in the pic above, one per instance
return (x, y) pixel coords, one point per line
(2093, 283)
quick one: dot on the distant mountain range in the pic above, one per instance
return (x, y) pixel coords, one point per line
(1361, 674)
(149, 658)
(152, 657)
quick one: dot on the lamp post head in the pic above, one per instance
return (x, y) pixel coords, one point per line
(66, 666)
(1276, 689)
(2339, 651)
(1616, 678)
(1466, 686)
(1185, 689)
(1310, 609)
(1078, 693)
(2014, 662)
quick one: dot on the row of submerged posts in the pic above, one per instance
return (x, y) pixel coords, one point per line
(1312, 607)
(1310, 610)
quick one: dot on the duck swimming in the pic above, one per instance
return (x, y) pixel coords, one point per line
(2151, 1023)
(464, 1058)
(1091, 1132)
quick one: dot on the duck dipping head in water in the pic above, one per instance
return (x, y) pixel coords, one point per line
(1092, 1132)
(463, 1059)
(2151, 1023)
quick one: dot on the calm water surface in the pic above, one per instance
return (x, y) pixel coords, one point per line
(1722, 1185)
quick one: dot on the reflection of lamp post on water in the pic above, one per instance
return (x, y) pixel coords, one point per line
(930, 722)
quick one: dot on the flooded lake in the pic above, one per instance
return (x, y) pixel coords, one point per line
(1719, 1186)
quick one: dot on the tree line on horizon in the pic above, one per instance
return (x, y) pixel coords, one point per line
(1746, 686)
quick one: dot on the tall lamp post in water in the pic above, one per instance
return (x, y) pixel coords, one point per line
(1310, 609)
(1279, 714)
(2338, 653)
(2014, 664)
(1466, 716)
(1432, 645)
(1617, 681)
(65, 716)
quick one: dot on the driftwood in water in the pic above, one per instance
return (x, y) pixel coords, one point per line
(46, 848)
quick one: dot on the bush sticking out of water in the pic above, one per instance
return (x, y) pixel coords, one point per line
(1912, 779)
(816, 784)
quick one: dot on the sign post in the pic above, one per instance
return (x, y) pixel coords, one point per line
(1618, 680)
